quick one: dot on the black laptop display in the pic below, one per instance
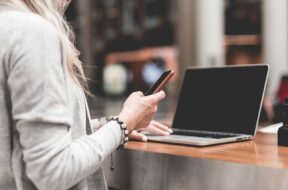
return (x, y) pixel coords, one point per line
(223, 100)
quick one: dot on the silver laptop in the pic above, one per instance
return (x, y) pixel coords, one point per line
(218, 105)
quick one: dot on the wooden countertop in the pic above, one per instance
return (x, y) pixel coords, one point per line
(262, 151)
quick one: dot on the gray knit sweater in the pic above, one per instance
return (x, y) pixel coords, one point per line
(43, 131)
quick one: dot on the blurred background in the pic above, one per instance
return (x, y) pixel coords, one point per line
(127, 44)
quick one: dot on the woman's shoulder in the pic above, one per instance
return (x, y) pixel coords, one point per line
(25, 23)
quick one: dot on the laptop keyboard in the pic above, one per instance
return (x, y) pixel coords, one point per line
(204, 134)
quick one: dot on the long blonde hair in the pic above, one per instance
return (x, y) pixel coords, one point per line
(52, 11)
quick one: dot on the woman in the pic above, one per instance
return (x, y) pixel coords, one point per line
(45, 132)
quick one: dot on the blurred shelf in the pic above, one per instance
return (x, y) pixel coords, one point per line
(168, 53)
(239, 40)
(142, 54)
(243, 49)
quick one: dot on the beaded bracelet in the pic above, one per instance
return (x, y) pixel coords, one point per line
(123, 128)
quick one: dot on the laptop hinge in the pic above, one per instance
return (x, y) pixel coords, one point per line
(208, 132)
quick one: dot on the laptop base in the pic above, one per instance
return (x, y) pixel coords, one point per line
(196, 141)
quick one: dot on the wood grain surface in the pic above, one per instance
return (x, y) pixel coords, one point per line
(261, 151)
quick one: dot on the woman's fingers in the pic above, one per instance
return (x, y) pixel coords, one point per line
(156, 131)
(137, 136)
(138, 110)
(156, 98)
(154, 128)
(161, 126)
(138, 93)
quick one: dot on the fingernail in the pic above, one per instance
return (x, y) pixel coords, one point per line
(144, 138)
(170, 130)
(167, 134)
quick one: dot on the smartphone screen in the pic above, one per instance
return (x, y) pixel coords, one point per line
(160, 83)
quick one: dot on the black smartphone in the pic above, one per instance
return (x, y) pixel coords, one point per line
(160, 83)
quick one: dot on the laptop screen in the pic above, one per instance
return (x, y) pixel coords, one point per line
(224, 99)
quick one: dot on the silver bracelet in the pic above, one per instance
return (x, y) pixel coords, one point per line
(124, 129)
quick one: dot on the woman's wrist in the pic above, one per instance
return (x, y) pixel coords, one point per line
(129, 123)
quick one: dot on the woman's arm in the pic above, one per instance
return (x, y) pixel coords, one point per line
(54, 161)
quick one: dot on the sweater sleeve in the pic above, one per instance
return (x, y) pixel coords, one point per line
(41, 113)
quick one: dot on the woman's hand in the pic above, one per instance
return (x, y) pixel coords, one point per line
(154, 128)
(138, 110)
